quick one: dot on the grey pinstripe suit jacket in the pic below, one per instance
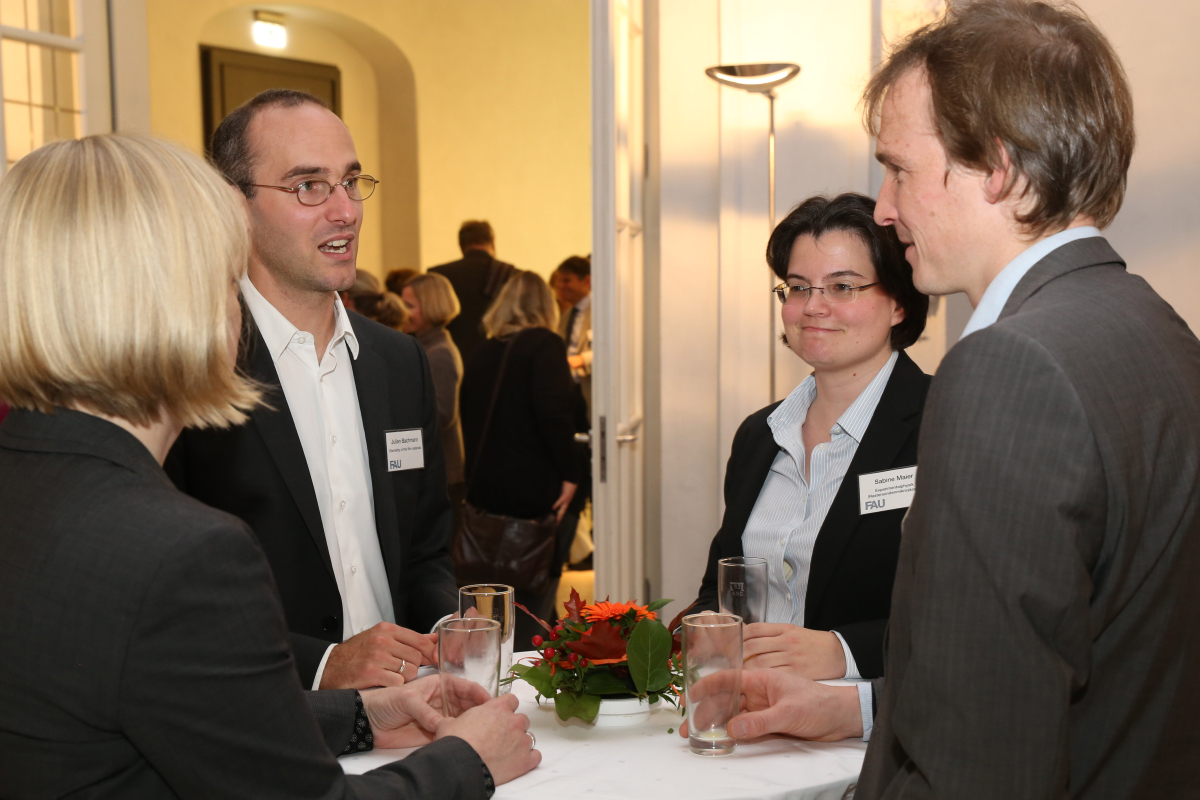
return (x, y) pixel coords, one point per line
(1044, 638)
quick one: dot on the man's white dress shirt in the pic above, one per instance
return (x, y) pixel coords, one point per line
(323, 402)
(792, 506)
(1001, 287)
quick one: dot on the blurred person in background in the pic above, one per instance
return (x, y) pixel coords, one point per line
(476, 278)
(143, 651)
(573, 290)
(525, 466)
(431, 305)
(368, 297)
(396, 279)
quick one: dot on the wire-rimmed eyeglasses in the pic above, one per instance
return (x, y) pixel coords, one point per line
(836, 292)
(314, 192)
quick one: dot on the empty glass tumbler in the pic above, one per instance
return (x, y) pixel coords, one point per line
(742, 587)
(492, 601)
(470, 649)
(712, 664)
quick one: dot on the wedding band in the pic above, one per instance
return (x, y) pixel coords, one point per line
(403, 664)
(532, 739)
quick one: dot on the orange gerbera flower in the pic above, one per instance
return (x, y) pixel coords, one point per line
(606, 610)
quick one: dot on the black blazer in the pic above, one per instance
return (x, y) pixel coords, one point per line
(530, 448)
(143, 651)
(854, 558)
(476, 278)
(258, 472)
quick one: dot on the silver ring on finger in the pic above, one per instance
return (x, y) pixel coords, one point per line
(532, 739)
(403, 664)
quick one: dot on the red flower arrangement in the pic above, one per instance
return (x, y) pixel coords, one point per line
(604, 650)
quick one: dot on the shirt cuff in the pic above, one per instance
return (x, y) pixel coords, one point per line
(439, 622)
(851, 667)
(866, 707)
(316, 684)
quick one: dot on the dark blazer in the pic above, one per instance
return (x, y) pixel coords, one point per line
(476, 278)
(1045, 629)
(143, 651)
(258, 472)
(854, 558)
(530, 447)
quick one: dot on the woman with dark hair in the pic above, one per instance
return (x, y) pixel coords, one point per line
(792, 487)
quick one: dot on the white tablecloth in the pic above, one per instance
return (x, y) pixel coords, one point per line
(579, 761)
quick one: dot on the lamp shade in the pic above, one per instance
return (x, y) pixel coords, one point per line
(753, 77)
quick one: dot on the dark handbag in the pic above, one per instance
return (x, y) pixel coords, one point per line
(495, 548)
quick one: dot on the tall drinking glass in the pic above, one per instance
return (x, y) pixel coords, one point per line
(712, 667)
(742, 588)
(470, 649)
(492, 601)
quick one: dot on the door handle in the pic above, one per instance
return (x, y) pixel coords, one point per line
(628, 433)
(583, 438)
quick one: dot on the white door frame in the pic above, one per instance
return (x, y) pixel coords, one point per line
(618, 179)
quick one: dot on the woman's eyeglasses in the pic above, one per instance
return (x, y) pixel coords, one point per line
(837, 292)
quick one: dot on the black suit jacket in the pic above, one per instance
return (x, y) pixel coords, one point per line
(854, 558)
(476, 278)
(258, 472)
(142, 645)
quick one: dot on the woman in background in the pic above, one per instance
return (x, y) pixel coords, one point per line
(430, 304)
(525, 466)
(368, 297)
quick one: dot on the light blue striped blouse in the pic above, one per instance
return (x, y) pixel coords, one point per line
(791, 508)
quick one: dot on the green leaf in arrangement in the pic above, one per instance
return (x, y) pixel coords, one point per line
(648, 650)
(567, 704)
(601, 681)
(538, 677)
(657, 604)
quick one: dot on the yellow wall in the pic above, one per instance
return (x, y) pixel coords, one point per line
(502, 111)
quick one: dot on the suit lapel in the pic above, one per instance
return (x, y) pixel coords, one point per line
(895, 416)
(275, 424)
(374, 403)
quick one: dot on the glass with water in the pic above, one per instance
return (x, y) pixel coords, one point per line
(470, 649)
(492, 601)
(712, 664)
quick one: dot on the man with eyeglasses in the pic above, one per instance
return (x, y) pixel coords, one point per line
(341, 476)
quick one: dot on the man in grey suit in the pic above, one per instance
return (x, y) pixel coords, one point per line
(1044, 633)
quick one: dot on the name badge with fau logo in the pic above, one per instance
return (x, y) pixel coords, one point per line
(405, 450)
(883, 491)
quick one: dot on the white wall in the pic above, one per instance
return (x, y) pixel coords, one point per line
(1156, 230)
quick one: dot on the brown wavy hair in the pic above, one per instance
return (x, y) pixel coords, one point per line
(1038, 79)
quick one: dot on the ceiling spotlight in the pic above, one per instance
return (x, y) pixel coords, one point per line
(268, 30)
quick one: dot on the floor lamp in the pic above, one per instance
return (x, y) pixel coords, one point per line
(762, 79)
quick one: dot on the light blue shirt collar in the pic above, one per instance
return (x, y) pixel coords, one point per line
(1001, 287)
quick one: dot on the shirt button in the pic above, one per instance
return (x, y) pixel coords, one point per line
(353, 568)
(333, 439)
(342, 504)
(301, 339)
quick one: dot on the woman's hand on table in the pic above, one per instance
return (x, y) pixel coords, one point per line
(816, 655)
(408, 716)
(776, 702)
(498, 735)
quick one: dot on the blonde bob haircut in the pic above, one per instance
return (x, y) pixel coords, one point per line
(117, 258)
(525, 301)
(435, 294)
